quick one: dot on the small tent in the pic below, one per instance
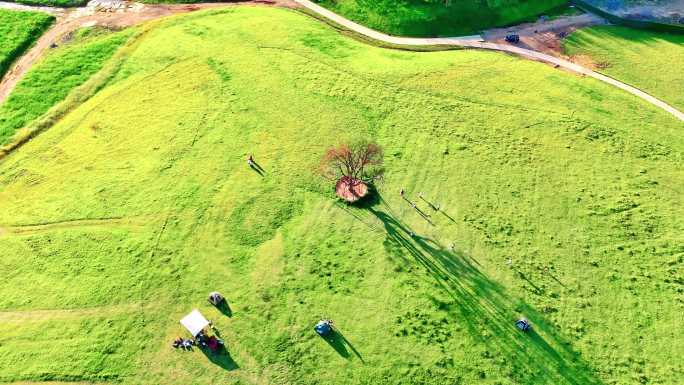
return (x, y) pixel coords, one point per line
(523, 324)
(215, 298)
(194, 322)
(323, 328)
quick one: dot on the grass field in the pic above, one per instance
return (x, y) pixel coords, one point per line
(562, 205)
(434, 18)
(18, 30)
(51, 80)
(645, 59)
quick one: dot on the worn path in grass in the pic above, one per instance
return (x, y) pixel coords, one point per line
(70, 20)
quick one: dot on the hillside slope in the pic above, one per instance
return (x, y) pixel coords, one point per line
(437, 17)
(645, 59)
(18, 30)
(562, 205)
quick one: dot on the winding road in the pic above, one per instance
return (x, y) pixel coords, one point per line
(476, 41)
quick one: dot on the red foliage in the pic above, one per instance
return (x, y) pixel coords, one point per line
(361, 160)
(351, 190)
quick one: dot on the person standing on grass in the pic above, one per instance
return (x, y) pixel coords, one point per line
(250, 160)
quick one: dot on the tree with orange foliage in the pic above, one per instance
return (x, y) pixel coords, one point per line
(353, 166)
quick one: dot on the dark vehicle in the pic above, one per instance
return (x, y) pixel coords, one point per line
(513, 38)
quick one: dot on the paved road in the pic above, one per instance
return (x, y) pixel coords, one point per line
(477, 42)
(539, 27)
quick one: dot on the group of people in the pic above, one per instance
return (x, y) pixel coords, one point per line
(180, 343)
(212, 342)
(203, 340)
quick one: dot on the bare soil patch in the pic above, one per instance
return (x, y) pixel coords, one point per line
(545, 35)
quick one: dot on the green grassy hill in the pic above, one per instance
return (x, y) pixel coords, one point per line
(18, 30)
(562, 205)
(434, 18)
(645, 59)
(55, 76)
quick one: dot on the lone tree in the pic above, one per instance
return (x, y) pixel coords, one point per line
(353, 167)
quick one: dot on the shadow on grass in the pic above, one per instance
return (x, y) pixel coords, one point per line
(420, 212)
(339, 342)
(224, 308)
(257, 169)
(447, 216)
(539, 356)
(221, 358)
(429, 203)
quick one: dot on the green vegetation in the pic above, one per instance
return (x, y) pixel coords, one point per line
(563, 11)
(53, 3)
(18, 30)
(562, 205)
(644, 59)
(55, 76)
(434, 18)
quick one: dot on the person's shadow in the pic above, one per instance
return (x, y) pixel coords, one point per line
(257, 168)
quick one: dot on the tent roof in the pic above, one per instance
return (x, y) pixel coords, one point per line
(323, 327)
(194, 322)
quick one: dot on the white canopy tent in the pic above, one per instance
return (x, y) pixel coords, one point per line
(194, 322)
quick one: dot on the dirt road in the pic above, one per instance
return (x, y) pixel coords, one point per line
(545, 35)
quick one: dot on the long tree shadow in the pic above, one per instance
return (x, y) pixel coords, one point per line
(541, 355)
